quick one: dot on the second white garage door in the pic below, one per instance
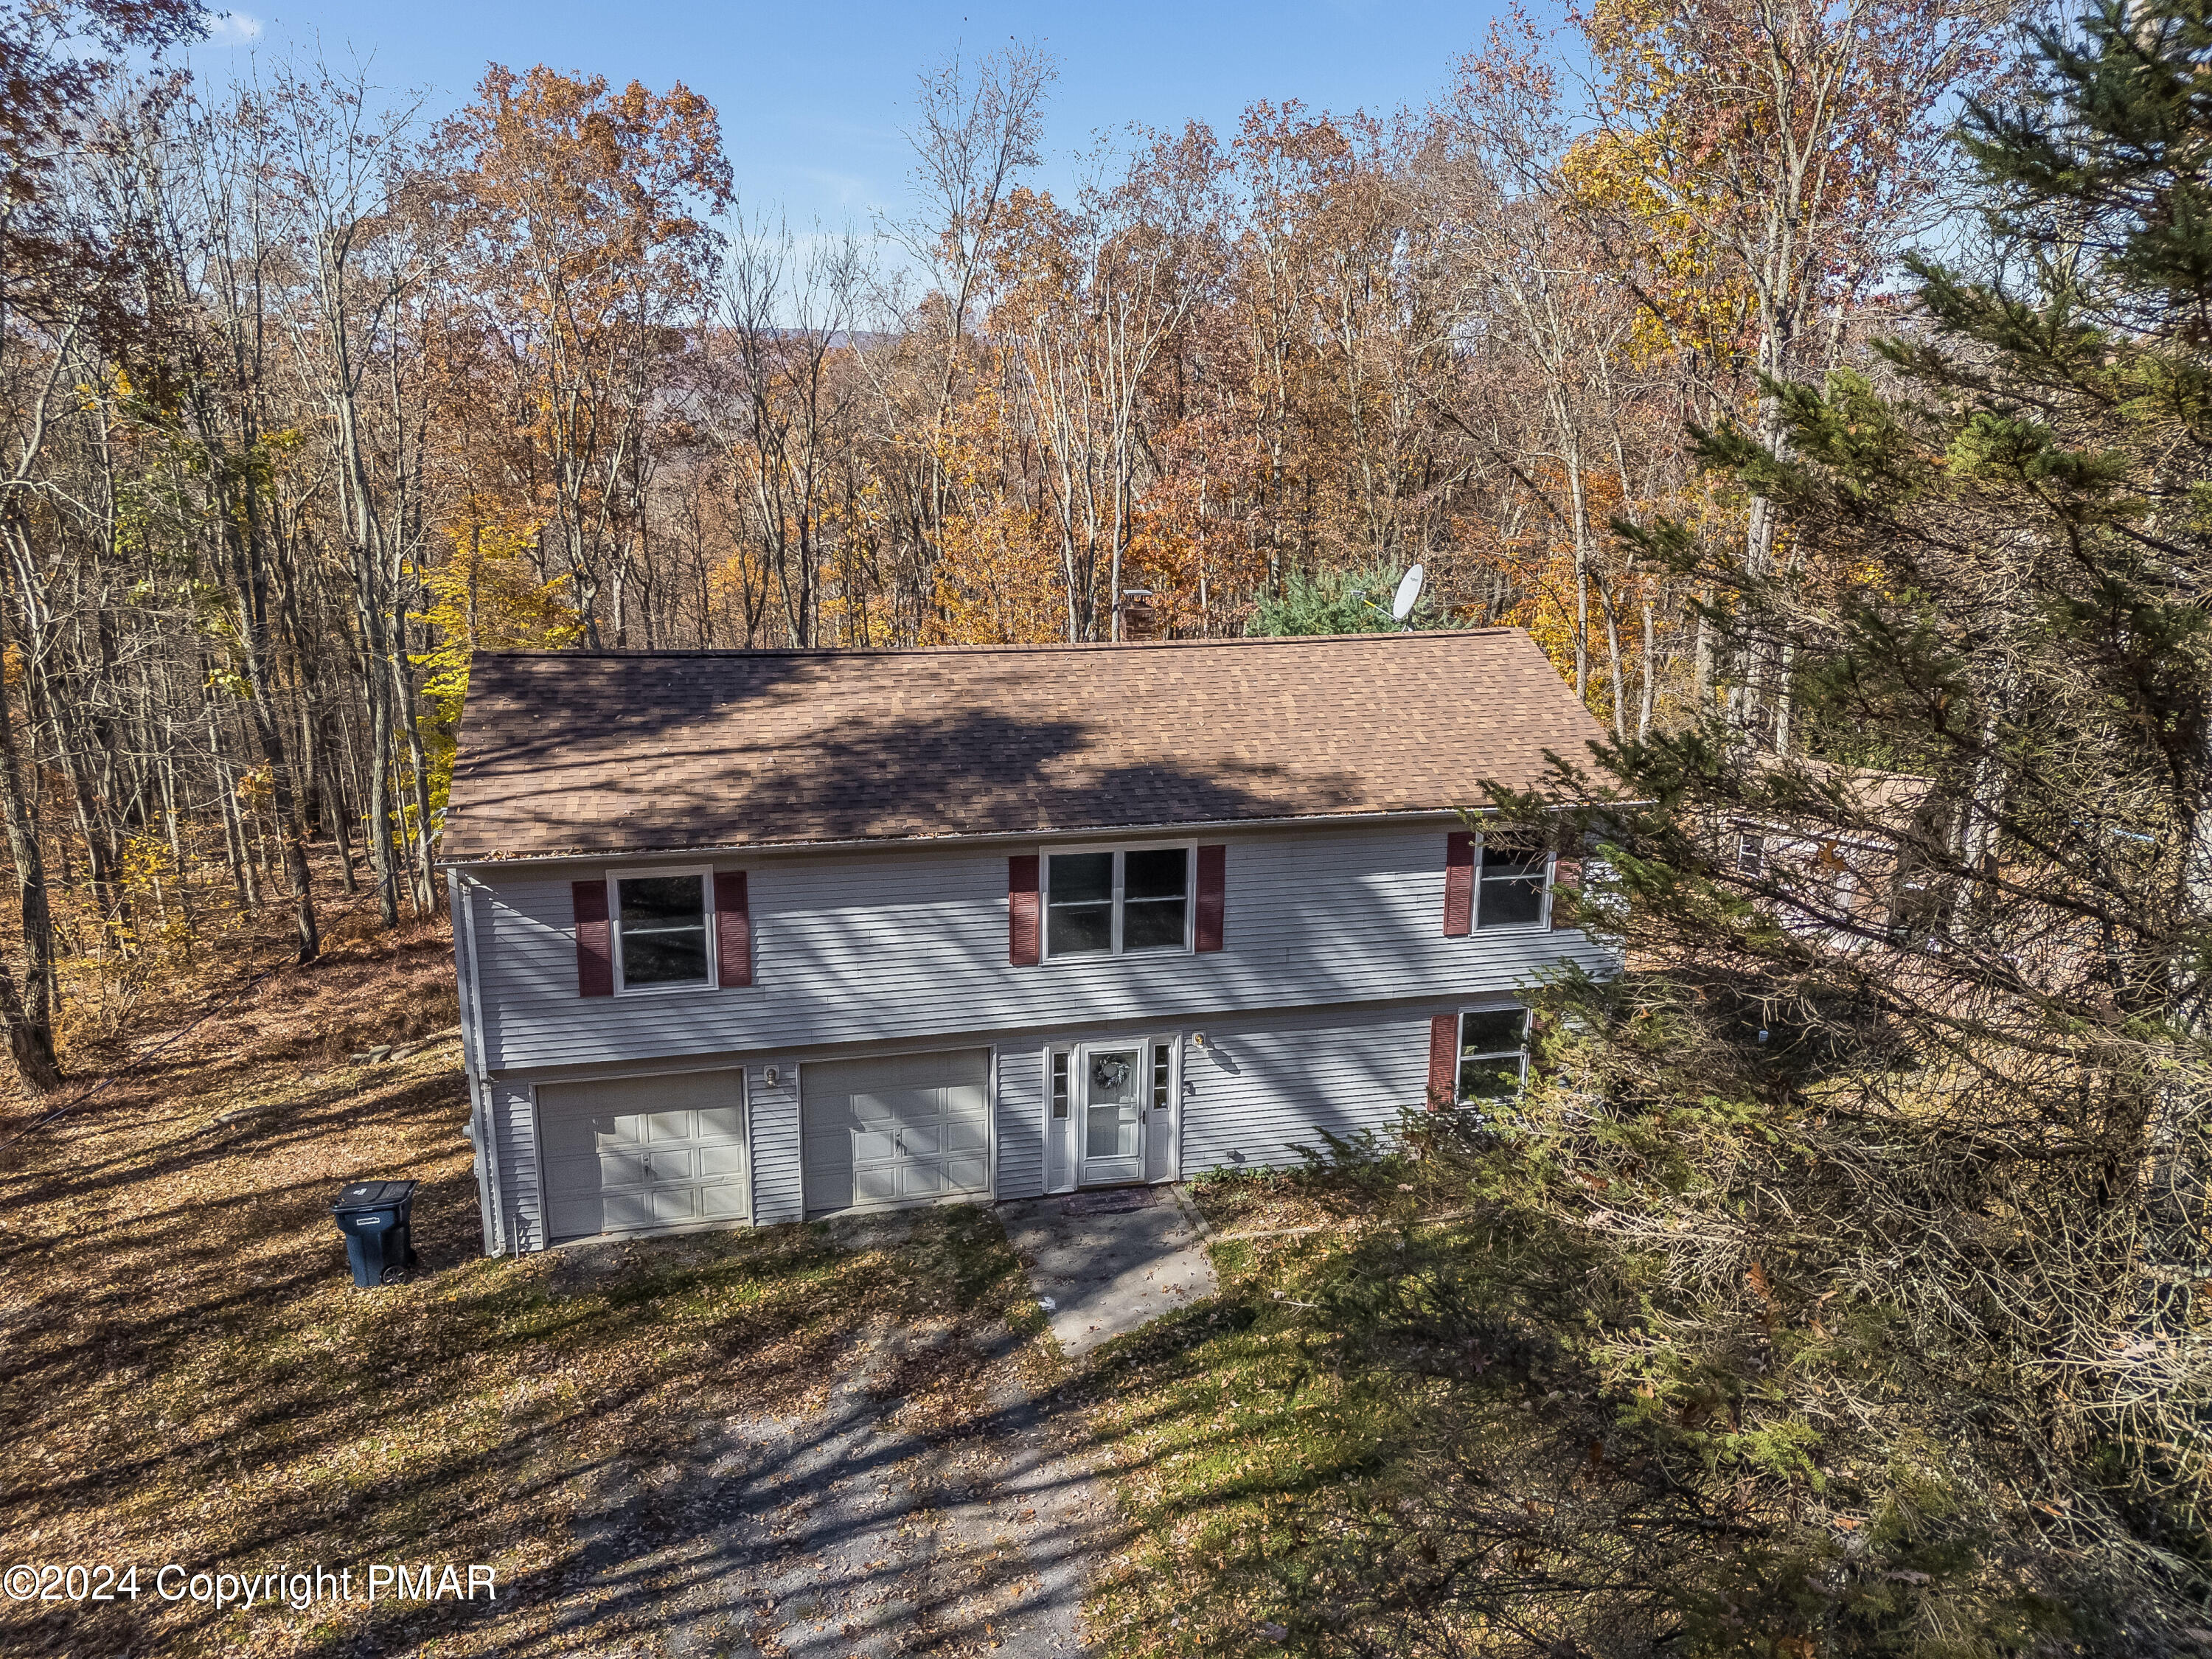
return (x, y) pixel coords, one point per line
(904, 1129)
(644, 1154)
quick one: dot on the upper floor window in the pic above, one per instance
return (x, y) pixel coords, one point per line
(1514, 871)
(1751, 854)
(1111, 903)
(662, 924)
(1493, 1053)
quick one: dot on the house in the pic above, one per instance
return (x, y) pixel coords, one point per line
(1863, 857)
(750, 937)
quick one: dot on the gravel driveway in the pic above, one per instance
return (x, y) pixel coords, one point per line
(873, 1525)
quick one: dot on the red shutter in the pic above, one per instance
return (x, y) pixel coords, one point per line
(1213, 888)
(1021, 932)
(595, 966)
(733, 930)
(1443, 1061)
(1566, 875)
(1459, 884)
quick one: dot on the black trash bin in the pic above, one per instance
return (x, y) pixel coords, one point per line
(374, 1216)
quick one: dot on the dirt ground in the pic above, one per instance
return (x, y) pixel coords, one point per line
(795, 1441)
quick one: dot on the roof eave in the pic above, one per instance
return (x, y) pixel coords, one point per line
(1000, 837)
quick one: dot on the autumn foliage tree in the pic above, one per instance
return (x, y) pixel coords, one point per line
(376, 384)
(581, 221)
(1756, 168)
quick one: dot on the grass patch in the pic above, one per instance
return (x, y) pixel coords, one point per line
(1368, 1444)
(1237, 1430)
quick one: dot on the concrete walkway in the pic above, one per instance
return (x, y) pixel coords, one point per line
(1110, 1261)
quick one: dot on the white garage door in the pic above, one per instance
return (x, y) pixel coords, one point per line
(905, 1129)
(644, 1154)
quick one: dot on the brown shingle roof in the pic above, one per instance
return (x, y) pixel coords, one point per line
(626, 752)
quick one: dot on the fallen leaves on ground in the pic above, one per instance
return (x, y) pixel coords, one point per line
(190, 1374)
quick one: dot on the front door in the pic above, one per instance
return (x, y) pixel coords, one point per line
(1113, 1122)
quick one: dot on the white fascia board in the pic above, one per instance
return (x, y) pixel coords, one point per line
(1114, 835)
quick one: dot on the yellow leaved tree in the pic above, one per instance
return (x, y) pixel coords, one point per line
(486, 597)
(1000, 578)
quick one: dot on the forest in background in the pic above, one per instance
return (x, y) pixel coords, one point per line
(304, 396)
(1828, 388)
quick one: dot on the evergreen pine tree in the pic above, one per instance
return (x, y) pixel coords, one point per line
(1889, 1151)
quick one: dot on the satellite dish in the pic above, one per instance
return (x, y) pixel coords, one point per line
(1409, 594)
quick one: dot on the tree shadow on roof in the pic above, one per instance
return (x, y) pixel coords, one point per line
(662, 773)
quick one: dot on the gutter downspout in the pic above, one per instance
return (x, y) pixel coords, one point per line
(461, 901)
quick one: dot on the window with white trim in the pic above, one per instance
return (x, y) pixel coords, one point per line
(663, 929)
(1750, 854)
(1493, 1053)
(1123, 903)
(1513, 875)
(1060, 1059)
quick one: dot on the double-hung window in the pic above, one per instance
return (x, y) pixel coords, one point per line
(1493, 1053)
(663, 930)
(1513, 872)
(1117, 904)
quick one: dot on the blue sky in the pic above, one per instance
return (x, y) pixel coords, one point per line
(812, 96)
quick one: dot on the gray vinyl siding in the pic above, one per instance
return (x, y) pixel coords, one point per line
(1019, 1132)
(515, 1130)
(460, 898)
(1261, 1090)
(779, 1192)
(1317, 1008)
(899, 944)
(1264, 1089)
